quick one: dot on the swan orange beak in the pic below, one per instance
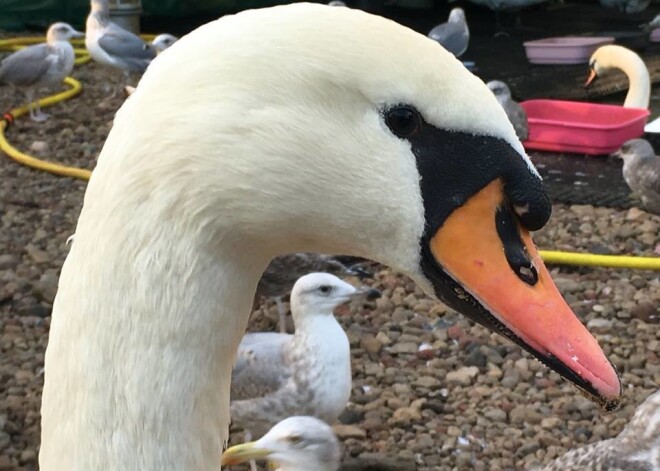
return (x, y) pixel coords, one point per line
(499, 280)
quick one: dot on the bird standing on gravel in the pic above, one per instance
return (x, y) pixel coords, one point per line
(162, 42)
(453, 35)
(294, 444)
(112, 45)
(636, 448)
(641, 171)
(514, 111)
(41, 64)
(309, 373)
(283, 271)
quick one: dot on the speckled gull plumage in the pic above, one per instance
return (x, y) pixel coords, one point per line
(636, 448)
(514, 111)
(308, 373)
(641, 171)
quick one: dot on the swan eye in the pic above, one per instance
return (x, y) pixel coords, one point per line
(403, 120)
(325, 289)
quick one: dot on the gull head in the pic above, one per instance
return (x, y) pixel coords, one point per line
(296, 443)
(320, 293)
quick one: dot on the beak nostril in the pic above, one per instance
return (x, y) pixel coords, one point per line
(528, 274)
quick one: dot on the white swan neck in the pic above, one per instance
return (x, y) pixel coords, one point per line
(639, 91)
(135, 377)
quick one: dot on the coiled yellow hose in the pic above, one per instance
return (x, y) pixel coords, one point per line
(82, 56)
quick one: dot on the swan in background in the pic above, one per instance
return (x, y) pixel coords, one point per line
(639, 89)
(261, 134)
(619, 57)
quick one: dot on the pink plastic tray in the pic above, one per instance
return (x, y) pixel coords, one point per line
(655, 36)
(580, 127)
(564, 50)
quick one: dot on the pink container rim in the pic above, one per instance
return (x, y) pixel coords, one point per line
(569, 41)
(635, 114)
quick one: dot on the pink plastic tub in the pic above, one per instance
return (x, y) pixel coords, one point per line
(580, 127)
(655, 36)
(564, 50)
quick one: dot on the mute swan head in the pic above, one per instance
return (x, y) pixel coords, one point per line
(261, 134)
(618, 57)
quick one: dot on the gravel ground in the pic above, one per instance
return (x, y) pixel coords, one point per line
(429, 386)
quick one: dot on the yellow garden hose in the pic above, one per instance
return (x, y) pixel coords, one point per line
(82, 56)
(33, 162)
(593, 260)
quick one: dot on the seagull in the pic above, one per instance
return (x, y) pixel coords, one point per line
(162, 42)
(112, 45)
(636, 448)
(282, 273)
(41, 64)
(297, 443)
(651, 25)
(514, 111)
(641, 171)
(277, 375)
(453, 35)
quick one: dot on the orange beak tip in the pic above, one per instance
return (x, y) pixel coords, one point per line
(522, 304)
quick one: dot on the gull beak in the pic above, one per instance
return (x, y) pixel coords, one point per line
(77, 34)
(244, 452)
(590, 78)
(366, 293)
(487, 267)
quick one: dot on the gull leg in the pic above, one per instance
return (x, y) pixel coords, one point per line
(35, 109)
(281, 311)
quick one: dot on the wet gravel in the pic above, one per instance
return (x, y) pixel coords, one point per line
(430, 387)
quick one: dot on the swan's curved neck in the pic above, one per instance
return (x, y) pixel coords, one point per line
(639, 91)
(136, 376)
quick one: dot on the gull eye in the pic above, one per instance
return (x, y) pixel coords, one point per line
(295, 439)
(403, 120)
(325, 289)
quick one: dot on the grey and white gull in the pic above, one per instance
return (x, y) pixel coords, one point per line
(514, 111)
(308, 373)
(282, 273)
(454, 35)
(641, 171)
(162, 42)
(112, 45)
(298, 443)
(636, 448)
(41, 65)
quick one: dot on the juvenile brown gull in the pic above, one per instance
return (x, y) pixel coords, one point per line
(41, 64)
(514, 111)
(636, 448)
(641, 171)
(308, 373)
